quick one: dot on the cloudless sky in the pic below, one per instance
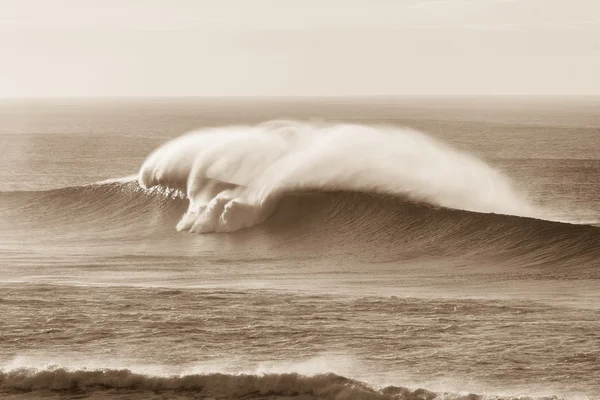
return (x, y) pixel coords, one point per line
(304, 47)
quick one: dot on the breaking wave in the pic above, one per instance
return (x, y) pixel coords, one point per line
(379, 193)
(233, 176)
(110, 383)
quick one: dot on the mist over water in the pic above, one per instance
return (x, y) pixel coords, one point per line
(233, 175)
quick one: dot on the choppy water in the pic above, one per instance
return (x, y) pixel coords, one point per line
(359, 282)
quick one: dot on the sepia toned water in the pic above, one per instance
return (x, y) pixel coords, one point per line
(359, 283)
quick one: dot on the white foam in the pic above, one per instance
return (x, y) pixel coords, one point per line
(232, 175)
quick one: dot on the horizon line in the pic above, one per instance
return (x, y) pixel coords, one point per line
(292, 97)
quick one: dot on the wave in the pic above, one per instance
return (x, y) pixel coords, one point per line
(378, 193)
(114, 383)
(108, 206)
(233, 176)
(372, 226)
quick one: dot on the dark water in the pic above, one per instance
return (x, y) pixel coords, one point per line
(338, 294)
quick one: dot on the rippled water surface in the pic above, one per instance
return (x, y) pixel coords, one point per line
(339, 295)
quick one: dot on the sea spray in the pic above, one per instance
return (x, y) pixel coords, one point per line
(234, 175)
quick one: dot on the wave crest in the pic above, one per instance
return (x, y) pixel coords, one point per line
(234, 175)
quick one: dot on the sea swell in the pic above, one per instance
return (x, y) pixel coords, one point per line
(380, 227)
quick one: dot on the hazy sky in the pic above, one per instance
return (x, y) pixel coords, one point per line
(301, 47)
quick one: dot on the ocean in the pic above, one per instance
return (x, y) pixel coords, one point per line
(327, 248)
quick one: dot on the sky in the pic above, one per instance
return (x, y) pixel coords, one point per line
(97, 48)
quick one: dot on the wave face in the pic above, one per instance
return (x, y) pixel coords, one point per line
(374, 227)
(234, 176)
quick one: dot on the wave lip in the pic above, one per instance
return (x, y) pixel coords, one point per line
(233, 176)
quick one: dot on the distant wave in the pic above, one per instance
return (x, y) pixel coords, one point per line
(233, 176)
(109, 383)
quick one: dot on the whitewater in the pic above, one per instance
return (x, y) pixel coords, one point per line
(384, 250)
(233, 175)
